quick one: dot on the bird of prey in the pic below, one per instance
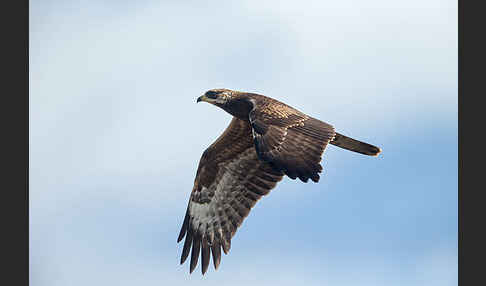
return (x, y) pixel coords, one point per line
(265, 140)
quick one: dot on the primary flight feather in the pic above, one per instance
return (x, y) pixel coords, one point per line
(265, 140)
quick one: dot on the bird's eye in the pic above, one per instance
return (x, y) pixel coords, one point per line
(211, 94)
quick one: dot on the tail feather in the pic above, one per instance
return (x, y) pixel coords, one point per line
(354, 145)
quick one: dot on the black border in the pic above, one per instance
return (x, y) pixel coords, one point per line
(460, 207)
(460, 224)
(471, 129)
(463, 273)
(15, 144)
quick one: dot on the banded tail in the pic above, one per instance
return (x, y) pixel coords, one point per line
(355, 145)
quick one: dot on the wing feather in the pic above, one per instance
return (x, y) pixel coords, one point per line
(205, 254)
(187, 246)
(196, 245)
(288, 139)
(216, 251)
(229, 181)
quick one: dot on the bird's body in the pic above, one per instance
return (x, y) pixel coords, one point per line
(265, 141)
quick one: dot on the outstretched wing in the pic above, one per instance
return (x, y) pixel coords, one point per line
(288, 139)
(230, 179)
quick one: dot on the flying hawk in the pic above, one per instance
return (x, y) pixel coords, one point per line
(265, 140)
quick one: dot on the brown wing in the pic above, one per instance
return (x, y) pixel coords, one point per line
(288, 139)
(229, 181)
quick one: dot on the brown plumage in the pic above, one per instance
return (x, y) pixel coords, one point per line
(265, 140)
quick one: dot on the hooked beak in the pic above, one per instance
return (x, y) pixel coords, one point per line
(201, 98)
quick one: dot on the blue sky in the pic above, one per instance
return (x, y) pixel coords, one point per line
(116, 136)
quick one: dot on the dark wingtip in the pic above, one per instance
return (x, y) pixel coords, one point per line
(185, 224)
(216, 263)
(216, 251)
(196, 247)
(226, 246)
(304, 179)
(205, 255)
(187, 247)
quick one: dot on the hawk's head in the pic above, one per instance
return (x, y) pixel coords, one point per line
(236, 103)
(218, 96)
